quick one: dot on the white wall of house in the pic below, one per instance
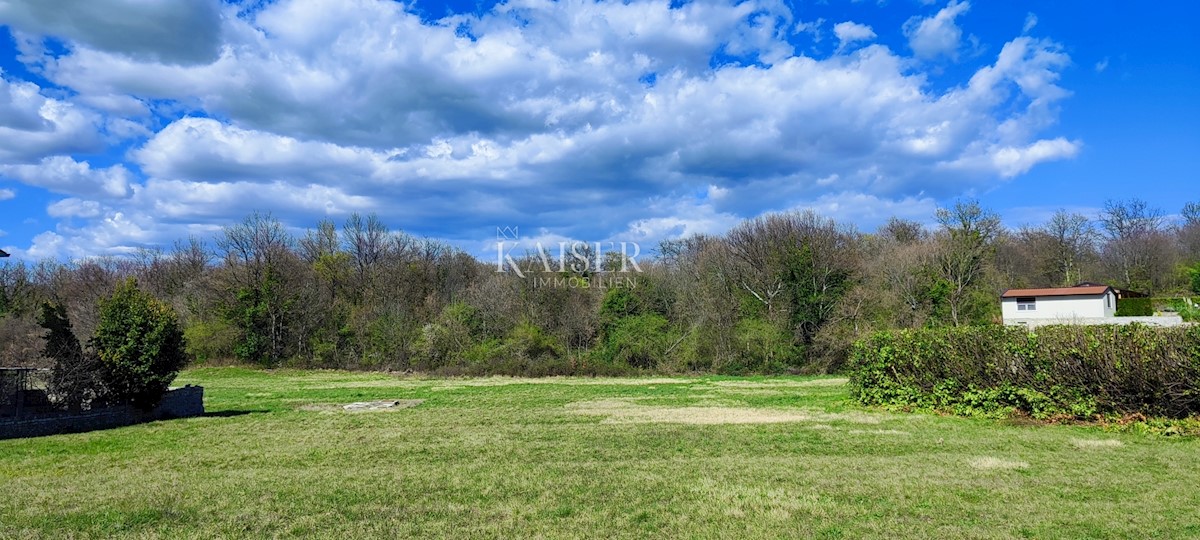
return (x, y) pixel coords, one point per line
(1064, 308)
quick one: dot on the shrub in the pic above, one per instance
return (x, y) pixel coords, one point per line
(210, 340)
(1187, 308)
(1135, 307)
(763, 348)
(1074, 371)
(138, 344)
(529, 342)
(443, 342)
(639, 341)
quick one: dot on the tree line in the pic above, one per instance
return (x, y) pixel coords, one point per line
(779, 293)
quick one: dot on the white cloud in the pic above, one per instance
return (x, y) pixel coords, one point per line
(223, 202)
(73, 207)
(1031, 21)
(1102, 65)
(33, 126)
(203, 149)
(870, 211)
(6, 194)
(849, 32)
(587, 119)
(1011, 161)
(937, 36)
(62, 174)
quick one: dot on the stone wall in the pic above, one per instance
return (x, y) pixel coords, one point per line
(176, 403)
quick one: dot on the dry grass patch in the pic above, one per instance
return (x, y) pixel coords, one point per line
(1097, 443)
(625, 411)
(989, 463)
(878, 432)
(782, 383)
(458, 384)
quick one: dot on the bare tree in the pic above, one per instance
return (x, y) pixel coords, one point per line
(903, 231)
(1137, 249)
(1189, 232)
(252, 246)
(905, 271)
(968, 231)
(366, 240)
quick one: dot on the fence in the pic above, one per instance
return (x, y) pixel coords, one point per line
(23, 391)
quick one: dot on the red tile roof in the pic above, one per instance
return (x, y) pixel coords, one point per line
(1091, 290)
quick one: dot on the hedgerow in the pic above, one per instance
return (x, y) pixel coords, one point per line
(1053, 372)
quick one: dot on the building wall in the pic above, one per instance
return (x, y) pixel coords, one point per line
(1063, 308)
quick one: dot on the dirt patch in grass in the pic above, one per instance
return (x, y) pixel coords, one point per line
(626, 411)
(988, 463)
(364, 406)
(1096, 443)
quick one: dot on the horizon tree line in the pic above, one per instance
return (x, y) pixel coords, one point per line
(781, 292)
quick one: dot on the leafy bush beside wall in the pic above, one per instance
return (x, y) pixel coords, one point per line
(138, 345)
(1072, 371)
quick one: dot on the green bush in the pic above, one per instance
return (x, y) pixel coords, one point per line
(1071, 371)
(443, 342)
(639, 341)
(1187, 308)
(1135, 307)
(210, 340)
(763, 348)
(138, 344)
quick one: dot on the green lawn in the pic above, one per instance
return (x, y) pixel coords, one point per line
(595, 458)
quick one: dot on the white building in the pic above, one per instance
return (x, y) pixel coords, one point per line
(1064, 304)
(1083, 304)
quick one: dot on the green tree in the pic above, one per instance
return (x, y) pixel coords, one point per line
(139, 345)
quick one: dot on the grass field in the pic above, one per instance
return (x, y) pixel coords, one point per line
(587, 458)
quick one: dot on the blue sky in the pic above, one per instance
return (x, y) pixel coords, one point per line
(127, 125)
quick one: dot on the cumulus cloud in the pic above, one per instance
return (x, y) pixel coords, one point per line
(849, 32)
(62, 174)
(181, 31)
(937, 36)
(587, 119)
(73, 208)
(33, 125)
(1031, 21)
(203, 149)
(1012, 161)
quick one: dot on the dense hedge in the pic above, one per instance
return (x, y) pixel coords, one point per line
(1057, 371)
(1135, 307)
(1145, 307)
